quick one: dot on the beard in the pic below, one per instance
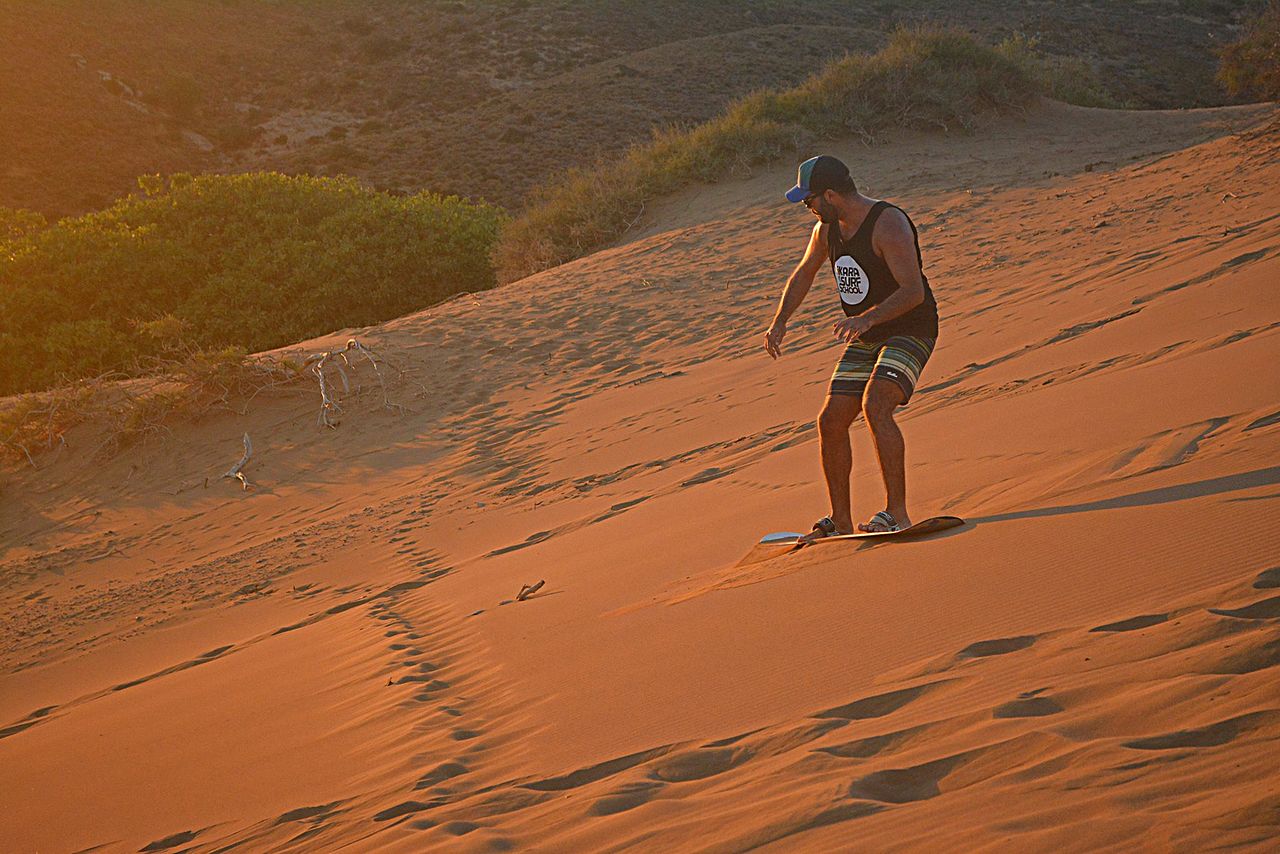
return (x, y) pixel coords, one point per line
(827, 212)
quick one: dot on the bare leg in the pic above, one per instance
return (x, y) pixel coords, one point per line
(878, 402)
(837, 454)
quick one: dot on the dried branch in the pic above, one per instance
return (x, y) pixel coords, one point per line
(528, 590)
(329, 403)
(234, 471)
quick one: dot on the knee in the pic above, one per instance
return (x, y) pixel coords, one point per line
(878, 405)
(834, 421)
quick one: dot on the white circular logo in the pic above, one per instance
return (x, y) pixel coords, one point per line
(851, 280)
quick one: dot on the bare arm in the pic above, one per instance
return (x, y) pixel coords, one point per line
(796, 290)
(894, 241)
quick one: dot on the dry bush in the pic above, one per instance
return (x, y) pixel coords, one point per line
(1250, 66)
(186, 385)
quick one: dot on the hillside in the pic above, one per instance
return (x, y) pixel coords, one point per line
(485, 99)
(333, 657)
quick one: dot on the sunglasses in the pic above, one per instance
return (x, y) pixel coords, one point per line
(810, 199)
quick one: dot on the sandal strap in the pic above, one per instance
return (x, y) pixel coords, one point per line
(885, 518)
(825, 525)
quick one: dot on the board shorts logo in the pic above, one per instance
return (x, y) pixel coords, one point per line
(851, 280)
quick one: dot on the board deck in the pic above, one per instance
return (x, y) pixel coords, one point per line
(927, 526)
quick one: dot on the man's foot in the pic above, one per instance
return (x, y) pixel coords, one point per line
(824, 527)
(884, 522)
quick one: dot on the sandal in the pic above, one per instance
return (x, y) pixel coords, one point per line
(824, 527)
(883, 518)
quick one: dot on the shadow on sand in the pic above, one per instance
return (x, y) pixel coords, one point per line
(1163, 495)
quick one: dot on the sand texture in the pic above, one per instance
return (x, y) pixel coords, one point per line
(335, 659)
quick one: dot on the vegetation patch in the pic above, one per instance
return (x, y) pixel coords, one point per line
(253, 261)
(1250, 66)
(116, 411)
(925, 77)
(127, 410)
(1069, 79)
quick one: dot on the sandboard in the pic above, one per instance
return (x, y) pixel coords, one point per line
(928, 526)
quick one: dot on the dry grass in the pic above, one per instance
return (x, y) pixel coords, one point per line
(185, 387)
(127, 411)
(925, 77)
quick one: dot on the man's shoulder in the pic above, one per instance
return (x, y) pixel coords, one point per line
(893, 214)
(893, 223)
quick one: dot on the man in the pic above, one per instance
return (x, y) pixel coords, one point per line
(890, 327)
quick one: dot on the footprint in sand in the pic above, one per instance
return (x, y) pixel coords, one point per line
(459, 828)
(1265, 609)
(1027, 707)
(628, 796)
(877, 706)
(592, 773)
(904, 785)
(697, 764)
(1132, 623)
(1213, 735)
(1000, 646)
(1268, 578)
(304, 813)
(865, 748)
(29, 721)
(442, 772)
(172, 841)
(404, 808)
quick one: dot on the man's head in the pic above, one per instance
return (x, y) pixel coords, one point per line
(816, 179)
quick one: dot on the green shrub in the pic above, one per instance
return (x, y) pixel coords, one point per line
(924, 78)
(254, 261)
(1069, 79)
(16, 223)
(1250, 66)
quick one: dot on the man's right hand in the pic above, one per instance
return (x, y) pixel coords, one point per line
(773, 339)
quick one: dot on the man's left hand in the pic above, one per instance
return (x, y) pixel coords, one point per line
(851, 328)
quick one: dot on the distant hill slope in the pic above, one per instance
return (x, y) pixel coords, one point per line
(479, 98)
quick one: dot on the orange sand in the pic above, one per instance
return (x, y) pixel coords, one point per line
(332, 660)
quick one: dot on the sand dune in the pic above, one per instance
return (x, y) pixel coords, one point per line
(335, 657)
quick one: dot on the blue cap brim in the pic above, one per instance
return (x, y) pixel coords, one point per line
(797, 194)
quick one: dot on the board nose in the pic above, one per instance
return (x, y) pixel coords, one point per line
(779, 537)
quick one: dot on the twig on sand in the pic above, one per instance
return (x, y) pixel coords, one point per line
(528, 590)
(234, 471)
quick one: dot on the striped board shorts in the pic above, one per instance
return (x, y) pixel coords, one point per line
(899, 359)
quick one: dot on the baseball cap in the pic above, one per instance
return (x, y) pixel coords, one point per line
(817, 175)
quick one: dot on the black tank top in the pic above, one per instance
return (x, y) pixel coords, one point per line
(863, 279)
